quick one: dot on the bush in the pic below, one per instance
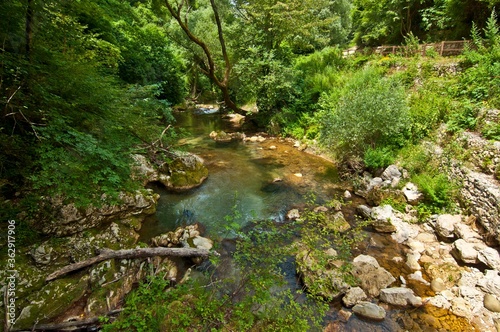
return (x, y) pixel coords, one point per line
(437, 189)
(378, 158)
(371, 111)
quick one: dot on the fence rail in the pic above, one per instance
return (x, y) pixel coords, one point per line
(444, 48)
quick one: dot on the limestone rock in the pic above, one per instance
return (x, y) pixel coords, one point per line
(412, 194)
(200, 242)
(382, 216)
(400, 296)
(337, 222)
(322, 278)
(491, 303)
(369, 310)
(445, 225)
(392, 174)
(438, 285)
(490, 283)
(372, 277)
(463, 231)
(466, 251)
(353, 296)
(364, 211)
(490, 257)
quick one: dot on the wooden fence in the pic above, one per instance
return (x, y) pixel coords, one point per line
(444, 48)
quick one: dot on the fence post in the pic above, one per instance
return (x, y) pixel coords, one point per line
(442, 48)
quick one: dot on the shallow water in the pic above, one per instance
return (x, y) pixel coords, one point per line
(264, 180)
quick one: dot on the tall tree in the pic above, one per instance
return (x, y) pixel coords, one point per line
(180, 12)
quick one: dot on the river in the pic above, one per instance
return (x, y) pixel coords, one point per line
(264, 180)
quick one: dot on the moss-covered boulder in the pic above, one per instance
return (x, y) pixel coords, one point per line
(319, 270)
(184, 172)
(177, 171)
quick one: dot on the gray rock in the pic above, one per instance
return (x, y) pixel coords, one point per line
(390, 173)
(382, 216)
(353, 296)
(490, 257)
(466, 251)
(490, 283)
(400, 296)
(462, 231)
(491, 303)
(369, 310)
(445, 225)
(364, 211)
(200, 242)
(371, 276)
(347, 195)
(412, 194)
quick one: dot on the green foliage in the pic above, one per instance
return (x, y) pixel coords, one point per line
(429, 106)
(491, 131)
(371, 111)
(396, 205)
(378, 158)
(437, 189)
(481, 78)
(70, 121)
(464, 118)
(253, 295)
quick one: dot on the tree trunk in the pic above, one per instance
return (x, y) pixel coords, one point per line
(128, 253)
(29, 28)
(209, 66)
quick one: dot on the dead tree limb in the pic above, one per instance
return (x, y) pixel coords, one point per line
(128, 253)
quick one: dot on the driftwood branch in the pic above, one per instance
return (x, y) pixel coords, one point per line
(128, 253)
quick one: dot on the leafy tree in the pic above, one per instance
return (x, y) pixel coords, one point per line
(69, 123)
(371, 112)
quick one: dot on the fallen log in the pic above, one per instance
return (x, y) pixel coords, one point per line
(106, 254)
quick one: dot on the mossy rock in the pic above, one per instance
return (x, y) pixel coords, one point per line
(184, 172)
(51, 301)
(377, 195)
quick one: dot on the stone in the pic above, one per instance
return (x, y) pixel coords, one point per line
(364, 211)
(200, 242)
(463, 231)
(337, 222)
(417, 276)
(353, 296)
(382, 216)
(272, 147)
(438, 285)
(369, 310)
(319, 209)
(400, 296)
(412, 261)
(491, 303)
(321, 278)
(344, 315)
(372, 278)
(490, 257)
(445, 225)
(347, 195)
(466, 252)
(293, 214)
(412, 194)
(390, 173)
(299, 175)
(490, 283)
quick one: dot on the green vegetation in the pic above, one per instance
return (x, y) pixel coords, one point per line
(85, 84)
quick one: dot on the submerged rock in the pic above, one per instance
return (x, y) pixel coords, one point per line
(369, 310)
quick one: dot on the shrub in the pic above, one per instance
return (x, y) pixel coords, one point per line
(371, 111)
(437, 189)
(378, 158)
